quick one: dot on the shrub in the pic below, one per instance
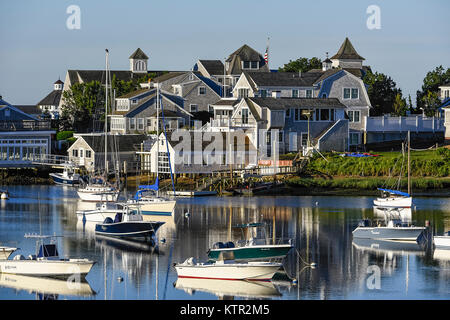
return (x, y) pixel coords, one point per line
(64, 135)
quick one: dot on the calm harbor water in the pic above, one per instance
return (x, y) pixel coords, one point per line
(321, 228)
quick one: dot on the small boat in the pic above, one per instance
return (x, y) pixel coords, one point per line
(98, 192)
(393, 199)
(227, 270)
(101, 212)
(442, 241)
(395, 229)
(151, 203)
(5, 252)
(67, 177)
(250, 248)
(46, 262)
(4, 194)
(128, 224)
(396, 198)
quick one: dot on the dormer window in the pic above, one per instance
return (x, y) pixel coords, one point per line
(250, 64)
(134, 101)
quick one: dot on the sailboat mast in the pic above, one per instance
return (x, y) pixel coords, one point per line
(409, 163)
(157, 137)
(106, 115)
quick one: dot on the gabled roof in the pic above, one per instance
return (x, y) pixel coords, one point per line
(283, 103)
(124, 143)
(133, 94)
(99, 75)
(58, 82)
(168, 76)
(245, 53)
(210, 83)
(347, 51)
(4, 104)
(52, 99)
(283, 79)
(213, 67)
(29, 109)
(138, 54)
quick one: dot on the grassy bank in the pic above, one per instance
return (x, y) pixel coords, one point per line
(430, 163)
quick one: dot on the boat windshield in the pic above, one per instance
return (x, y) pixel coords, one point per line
(48, 251)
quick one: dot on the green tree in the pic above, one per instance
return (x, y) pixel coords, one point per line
(80, 103)
(430, 103)
(431, 83)
(399, 105)
(382, 92)
(301, 64)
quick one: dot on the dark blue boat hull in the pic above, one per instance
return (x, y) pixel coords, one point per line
(59, 180)
(133, 229)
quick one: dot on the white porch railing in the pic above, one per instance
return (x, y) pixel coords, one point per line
(403, 124)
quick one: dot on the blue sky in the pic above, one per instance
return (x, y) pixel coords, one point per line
(37, 47)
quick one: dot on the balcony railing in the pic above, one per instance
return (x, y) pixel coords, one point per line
(25, 125)
(403, 124)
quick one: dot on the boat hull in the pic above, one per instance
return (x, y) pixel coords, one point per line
(393, 202)
(131, 229)
(263, 271)
(250, 252)
(47, 268)
(163, 208)
(388, 233)
(442, 241)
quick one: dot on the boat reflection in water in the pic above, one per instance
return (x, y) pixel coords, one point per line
(403, 214)
(389, 246)
(226, 288)
(47, 288)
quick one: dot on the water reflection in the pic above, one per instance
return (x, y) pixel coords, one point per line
(47, 288)
(229, 289)
(321, 228)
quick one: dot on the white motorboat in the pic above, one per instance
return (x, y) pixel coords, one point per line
(395, 229)
(46, 262)
(66, 177)
(227, 270)
(153, 205)
(101, 212)
(5, 252)
(442, 241)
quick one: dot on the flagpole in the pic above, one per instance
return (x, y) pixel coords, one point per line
(267, 53)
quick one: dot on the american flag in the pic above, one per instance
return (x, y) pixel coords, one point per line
(266, 55)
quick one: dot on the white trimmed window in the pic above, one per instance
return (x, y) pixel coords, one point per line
(354, 116)
(193, 108)
(132, 124)
(294, 93)
(243, 93)
(201, 90)
(354, 138)
(140, 123)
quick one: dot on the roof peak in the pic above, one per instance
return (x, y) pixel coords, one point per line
(347, 51)
(138, 54)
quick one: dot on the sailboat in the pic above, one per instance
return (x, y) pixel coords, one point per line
(98, 189)
(147, 196)
(396, 198)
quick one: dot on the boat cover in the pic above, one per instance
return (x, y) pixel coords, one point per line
(400, 193)
(143, 188)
